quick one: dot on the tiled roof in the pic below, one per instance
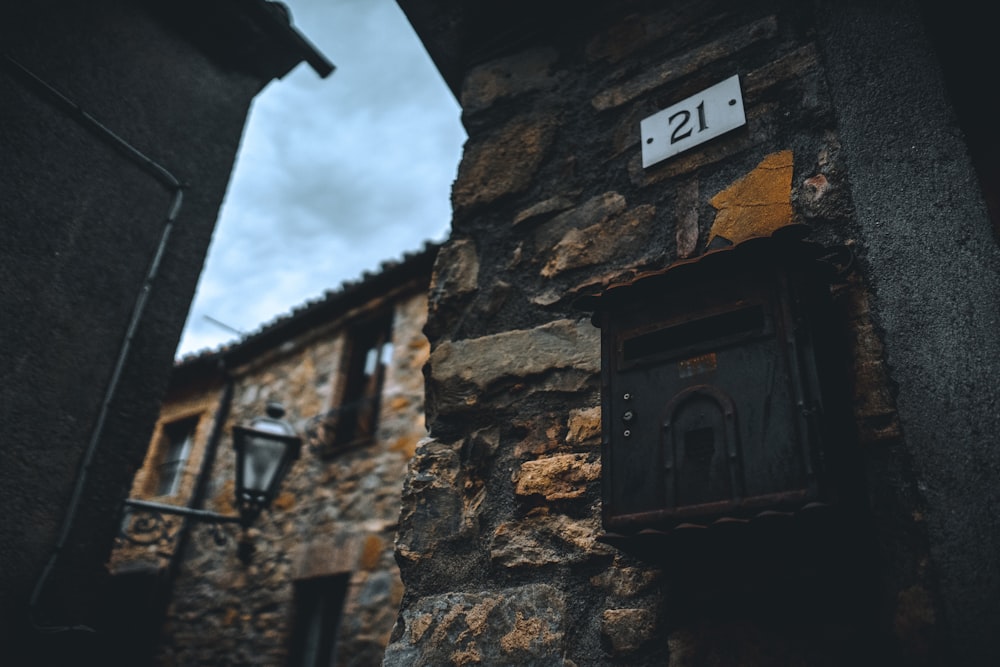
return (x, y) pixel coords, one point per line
(412, 265)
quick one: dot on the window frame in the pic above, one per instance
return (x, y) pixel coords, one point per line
(177, 434)
(363, 369)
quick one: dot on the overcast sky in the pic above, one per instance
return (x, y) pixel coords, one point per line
(335, 175)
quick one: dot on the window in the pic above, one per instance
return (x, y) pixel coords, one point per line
(318, 605)
(369, 350)
(175, 448)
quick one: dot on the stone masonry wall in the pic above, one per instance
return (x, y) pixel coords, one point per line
(151, 548)
(336, 513)
(501, 507)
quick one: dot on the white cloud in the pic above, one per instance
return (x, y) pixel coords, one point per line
(334, 176)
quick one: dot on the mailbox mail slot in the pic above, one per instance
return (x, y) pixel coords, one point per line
(712, 390)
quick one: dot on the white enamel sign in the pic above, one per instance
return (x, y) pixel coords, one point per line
(693, 121)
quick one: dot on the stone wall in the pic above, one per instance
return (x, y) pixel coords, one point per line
(201, 400)
(336, 514)
(501, 508)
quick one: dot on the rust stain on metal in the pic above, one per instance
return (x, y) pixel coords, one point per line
(704, 363)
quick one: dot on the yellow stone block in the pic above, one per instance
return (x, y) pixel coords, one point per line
(757, 204)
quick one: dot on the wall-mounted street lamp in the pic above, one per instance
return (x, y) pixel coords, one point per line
(265, 451)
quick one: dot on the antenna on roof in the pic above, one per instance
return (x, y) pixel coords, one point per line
(224, 326)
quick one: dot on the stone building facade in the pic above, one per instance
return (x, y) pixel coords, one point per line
(348, 370)
(119, 124)
(861, 129)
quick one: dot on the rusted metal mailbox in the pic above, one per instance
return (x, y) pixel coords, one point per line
(713, 393)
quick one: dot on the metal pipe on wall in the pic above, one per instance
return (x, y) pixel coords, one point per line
(175, 188)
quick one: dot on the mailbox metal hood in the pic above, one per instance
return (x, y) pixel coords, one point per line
(787, 245)
(715, 392)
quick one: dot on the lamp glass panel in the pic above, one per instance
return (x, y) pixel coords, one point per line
(261, 463)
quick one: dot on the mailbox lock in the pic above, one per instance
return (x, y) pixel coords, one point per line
(627, 396)
(628, 416)
(627, 433)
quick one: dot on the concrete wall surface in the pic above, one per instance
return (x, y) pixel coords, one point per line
(105, 112)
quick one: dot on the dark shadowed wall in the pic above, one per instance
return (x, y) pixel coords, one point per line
(84, 214)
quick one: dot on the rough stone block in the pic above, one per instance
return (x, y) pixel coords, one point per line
(631, 34)
(559, 477)
(549, 206)
(594, 211)
(538, 435)
(433, 509)
(691, 61)
(796, 64)
(456, 270)
(583, 426)
(544, 539)
(483, 362)
(503, 163)
(515, 626)
(872, 395)
(627, 629)
(508, 77)
(625, 235)
(626, 582)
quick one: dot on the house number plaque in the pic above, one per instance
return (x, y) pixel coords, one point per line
(695, 120)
